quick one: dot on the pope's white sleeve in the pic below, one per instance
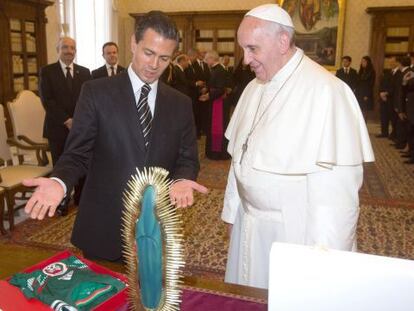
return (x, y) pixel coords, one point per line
(333, 208)
(231, 199)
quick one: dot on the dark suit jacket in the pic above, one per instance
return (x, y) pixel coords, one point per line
(386, 82)
(410, 100)
(195, 73)
(365, 88)
(58, 100)
(241, 77)
(399, 98)
(180, 81)
(408, 93)
(102, 72)
(218, 82)
(107, 144)
(200, 73)
(350, 78)
(229, 76)
(386, 85)
(167, 75)
(396, 85)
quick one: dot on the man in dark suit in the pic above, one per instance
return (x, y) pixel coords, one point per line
(198, 74)
(225, 61)
(386, 94)
(347, 73)
(217, 108)
(60, 86)
(132, 120)
(111, 67)
(408, 85)
(400, 103)
(180, 81)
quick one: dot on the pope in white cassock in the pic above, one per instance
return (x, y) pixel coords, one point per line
(297, 140)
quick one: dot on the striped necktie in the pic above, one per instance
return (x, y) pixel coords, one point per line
(144, 113)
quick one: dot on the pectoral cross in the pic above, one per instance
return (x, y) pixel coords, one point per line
(244, 149)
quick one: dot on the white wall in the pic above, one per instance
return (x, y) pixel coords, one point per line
(358, 26)
(52, 33)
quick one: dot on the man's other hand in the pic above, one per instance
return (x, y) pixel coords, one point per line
(45, 199)
(181, 192)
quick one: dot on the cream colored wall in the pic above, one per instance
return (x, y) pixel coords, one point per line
(356, 32)
(358, 26)
(126, 23)
(52, 33)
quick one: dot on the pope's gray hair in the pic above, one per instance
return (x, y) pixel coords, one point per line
(279, 29)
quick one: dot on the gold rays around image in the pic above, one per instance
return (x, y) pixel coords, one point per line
(171, 224)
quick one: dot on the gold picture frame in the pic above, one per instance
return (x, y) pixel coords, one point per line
(169, 218)
(319, 26)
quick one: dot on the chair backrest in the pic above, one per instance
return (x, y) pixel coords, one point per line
(27, 116)
(5, 152)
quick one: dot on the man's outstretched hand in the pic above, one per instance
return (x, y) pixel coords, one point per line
(181, 192)
(45, 199)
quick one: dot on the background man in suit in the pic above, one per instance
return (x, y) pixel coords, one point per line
(60, 86)
(180, 81)
(198, 75)
(111, 67)
(132, 120)
(399, 101)
(408, 85)
(386, 92)
(225, 61)
(347, 73)
(217, 108)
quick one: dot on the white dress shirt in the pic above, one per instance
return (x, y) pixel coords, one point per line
(108, 69)
(63, 66)
(137, 84)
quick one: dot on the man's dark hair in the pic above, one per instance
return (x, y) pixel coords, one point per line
(109, 44)
(405, 61)
(348, 58)
(160, 23)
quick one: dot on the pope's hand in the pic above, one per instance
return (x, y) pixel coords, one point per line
(181, 192)
(45, 199)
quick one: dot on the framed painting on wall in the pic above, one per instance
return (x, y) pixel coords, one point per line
(319, 26)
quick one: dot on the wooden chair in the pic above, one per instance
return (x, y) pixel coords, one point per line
(11, 176)
(27, 117)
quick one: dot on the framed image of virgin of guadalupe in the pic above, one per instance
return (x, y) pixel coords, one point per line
(319, 26)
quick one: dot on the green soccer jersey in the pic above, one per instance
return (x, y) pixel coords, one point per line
(67, 285)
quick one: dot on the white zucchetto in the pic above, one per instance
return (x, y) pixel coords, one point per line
(272, 13)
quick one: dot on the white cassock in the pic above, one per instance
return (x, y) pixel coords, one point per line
(298, 181)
